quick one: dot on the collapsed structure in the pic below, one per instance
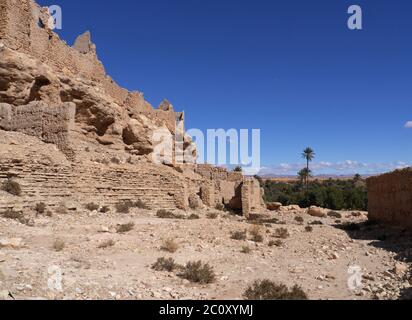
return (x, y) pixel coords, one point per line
(390, 198)
(69, 133)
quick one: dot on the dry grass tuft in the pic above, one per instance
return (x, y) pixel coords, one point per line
(281, 233)
(107, 244)
(124, 228)
(58, 245)
(170, 245)
(256, 233)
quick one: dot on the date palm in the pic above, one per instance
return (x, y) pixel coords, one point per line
(304, 175)
(309, 155)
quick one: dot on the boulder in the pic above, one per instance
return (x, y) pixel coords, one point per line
(274, 206)
(195, 202)
(317, 212)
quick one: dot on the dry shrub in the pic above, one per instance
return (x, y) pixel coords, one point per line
(212, 215)
(165, 214)
(15, 215)
(299, 219)
(62, 209)
(165, 264)
(268, 290)
(194, 217)
(246, 250)
(198, 272)
(105, 209)
(308, 229)
(275, 243)
(107, 244)
(58, 245)
(40, 208)
(125, 206)
(124, 228)
(12, 187)
(92, 206)
(334, 214)
(170, 246)
(256, 234)
(239, 235)
(281, 233)
(220, 207)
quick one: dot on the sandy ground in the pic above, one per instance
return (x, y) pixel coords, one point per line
(318, 261)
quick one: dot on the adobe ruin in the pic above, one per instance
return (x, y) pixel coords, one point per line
(390, 198)
(69, 133)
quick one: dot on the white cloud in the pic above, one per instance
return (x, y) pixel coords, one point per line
(408, 125)
(347, 167)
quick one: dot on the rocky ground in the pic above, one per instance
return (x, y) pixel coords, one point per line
(97, 262)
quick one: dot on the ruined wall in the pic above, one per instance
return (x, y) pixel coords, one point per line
(231, 189)
(37, 119)
(47, 176)
(390, 198)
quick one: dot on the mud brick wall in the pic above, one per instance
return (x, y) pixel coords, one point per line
(390, 198)
(76, 186)
(49, 124)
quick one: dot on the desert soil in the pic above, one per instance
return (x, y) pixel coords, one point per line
(318, 261)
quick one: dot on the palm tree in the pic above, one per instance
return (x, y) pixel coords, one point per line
(309, 155)
(304, 175)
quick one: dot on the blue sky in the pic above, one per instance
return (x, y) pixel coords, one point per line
(290, 68)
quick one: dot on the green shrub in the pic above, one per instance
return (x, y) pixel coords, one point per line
(333, 194)
(268, 290)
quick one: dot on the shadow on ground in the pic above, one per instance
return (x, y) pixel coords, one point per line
(393, 239)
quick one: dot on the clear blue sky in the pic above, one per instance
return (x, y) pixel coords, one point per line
(290, 68)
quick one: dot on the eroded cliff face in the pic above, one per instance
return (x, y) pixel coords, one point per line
(61, 95)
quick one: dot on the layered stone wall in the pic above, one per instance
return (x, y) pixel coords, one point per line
(44, 176)
(390, 198)
(50, 124)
